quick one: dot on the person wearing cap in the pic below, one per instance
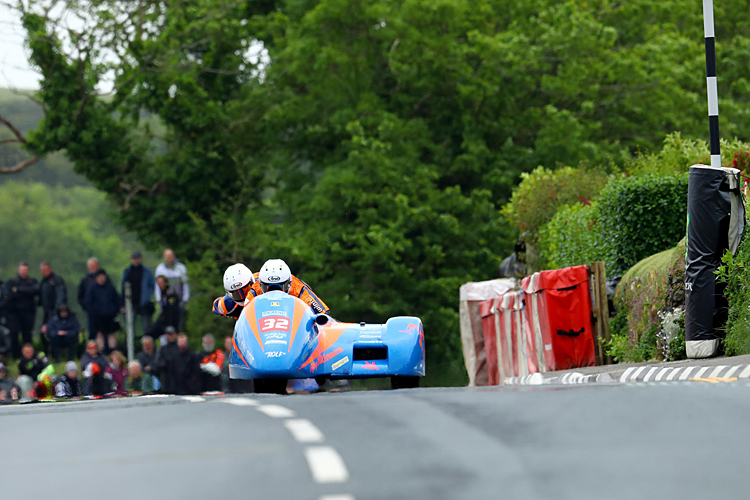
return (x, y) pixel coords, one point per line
(164, 356)
(102, 305)
(9, 391)
(62, 331)
(68, 386)
(142, 286)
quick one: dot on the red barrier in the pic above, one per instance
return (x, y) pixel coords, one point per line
(487, 312)
(560, 314)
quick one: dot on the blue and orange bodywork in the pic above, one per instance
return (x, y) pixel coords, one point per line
(279, 336)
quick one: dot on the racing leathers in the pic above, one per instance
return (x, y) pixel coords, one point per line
(225, 306)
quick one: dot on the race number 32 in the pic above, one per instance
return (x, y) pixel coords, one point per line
(274, 324)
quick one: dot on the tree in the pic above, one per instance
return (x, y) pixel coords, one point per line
(370, 142)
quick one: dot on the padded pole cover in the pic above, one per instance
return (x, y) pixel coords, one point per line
(716, 216)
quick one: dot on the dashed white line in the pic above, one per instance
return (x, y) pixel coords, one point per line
(326, 465)
(337, 497)
(276, 411)
(731, 371)
(701, 372)
(650, 372)
(674, 373)
(686, 373)
(193, 399)
(239, 401)
(634, 377)
(303, 430)
(744, 373)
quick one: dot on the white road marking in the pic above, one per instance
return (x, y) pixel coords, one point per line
(744, 373)
(673, 374)
(634, 376)
(193, 399)
(624, 377)
(716, 371)
(326, 465)
(303, 430)
(239, 401)
(650, 372)
(731, 371)
(276, 411)
(661, 374)
(686, 373)
(701, 372)
(337, 497)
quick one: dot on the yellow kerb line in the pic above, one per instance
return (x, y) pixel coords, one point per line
(713, 380)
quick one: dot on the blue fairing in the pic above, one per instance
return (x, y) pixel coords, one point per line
(277, 337)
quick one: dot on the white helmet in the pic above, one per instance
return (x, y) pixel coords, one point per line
(238, 280)
(275, 275)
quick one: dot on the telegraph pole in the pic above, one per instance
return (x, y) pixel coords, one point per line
(713, 94)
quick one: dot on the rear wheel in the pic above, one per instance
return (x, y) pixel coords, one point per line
(403, 382)
(270, 385)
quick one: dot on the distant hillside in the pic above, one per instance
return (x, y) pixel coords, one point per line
(55, 170)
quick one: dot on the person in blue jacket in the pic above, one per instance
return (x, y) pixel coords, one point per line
(142, 285)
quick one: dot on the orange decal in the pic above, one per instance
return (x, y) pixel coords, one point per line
(299, 313)
(249, 313)
(326, 338)
(239, 352)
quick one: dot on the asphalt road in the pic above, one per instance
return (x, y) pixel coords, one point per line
(663, 440)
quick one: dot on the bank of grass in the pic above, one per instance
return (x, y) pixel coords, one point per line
(735, 273)
(649, 290)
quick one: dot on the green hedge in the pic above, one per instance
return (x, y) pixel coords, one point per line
(574, 237)
(735, 272)
(642, 215)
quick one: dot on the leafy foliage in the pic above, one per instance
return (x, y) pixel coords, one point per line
(735, 272)
(643, 215)
(64, 227)
(369, 143)
(573, 237)
(538, 198)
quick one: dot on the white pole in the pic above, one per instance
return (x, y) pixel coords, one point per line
(713, 95)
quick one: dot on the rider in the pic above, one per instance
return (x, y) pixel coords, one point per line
(242, 286)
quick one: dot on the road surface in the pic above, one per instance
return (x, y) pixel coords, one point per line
(662, 440)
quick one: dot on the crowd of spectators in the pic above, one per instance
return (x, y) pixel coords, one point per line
(102, 370)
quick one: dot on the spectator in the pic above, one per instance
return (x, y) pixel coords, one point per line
(68, 386)
(63, 331)
(9, 391)
(102, 305)
(142, 287)
(5, 343)
(176, 272)
(179, 368)
(147, 355)
(35, 368)
(20, 293)
(52, 292)
(211, 362)
(138, 382)
(164, 354)
(92, 266)
(93, 364)
(169, 308)
(118, 372)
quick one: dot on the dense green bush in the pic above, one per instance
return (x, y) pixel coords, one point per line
(642, 215)
(735, 272)
(574, 237)
(542, 193)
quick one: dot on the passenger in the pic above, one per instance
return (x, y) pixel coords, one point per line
(242, 286)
